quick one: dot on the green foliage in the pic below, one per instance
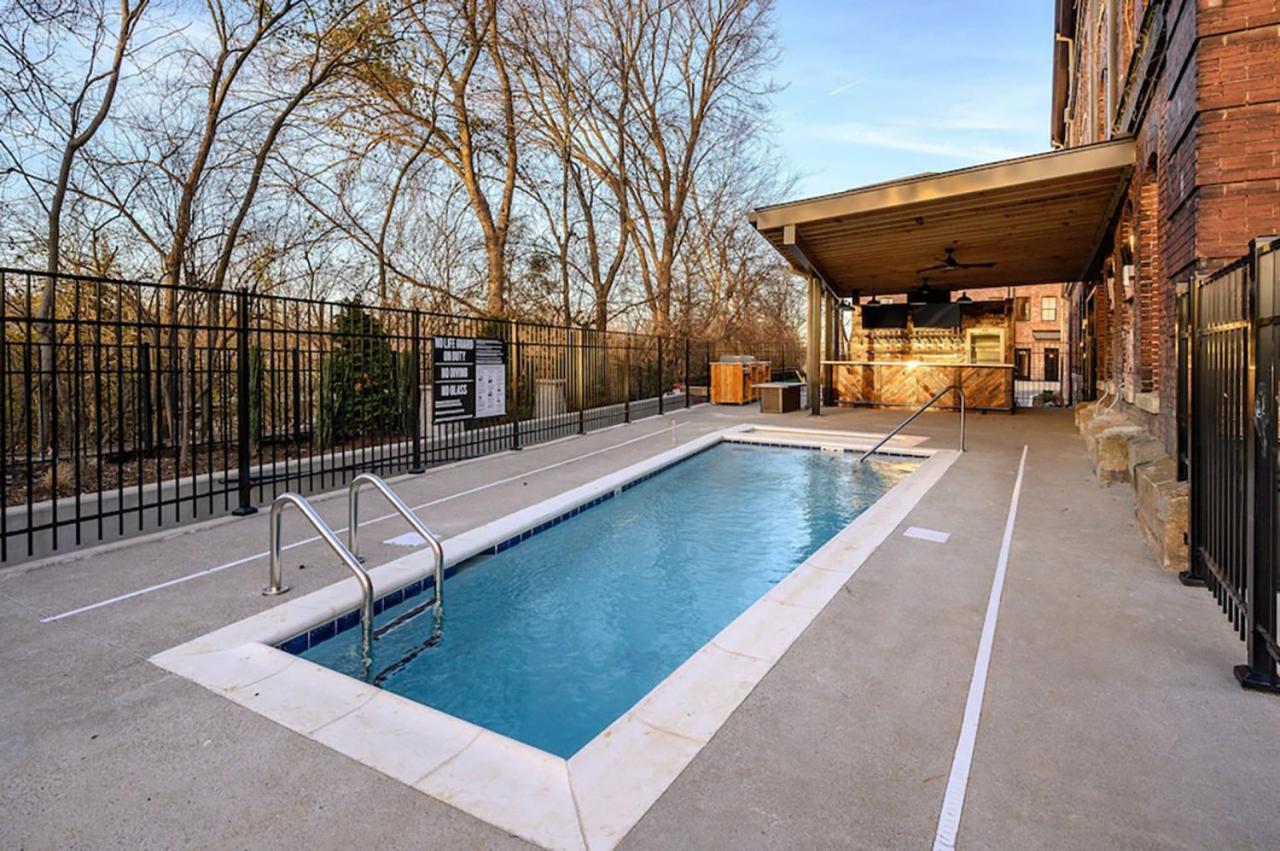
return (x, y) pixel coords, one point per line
(360, 394)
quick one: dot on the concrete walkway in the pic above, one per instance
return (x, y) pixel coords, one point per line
(1111, 716)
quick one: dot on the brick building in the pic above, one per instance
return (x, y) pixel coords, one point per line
(1196, 83)
(1040, 343)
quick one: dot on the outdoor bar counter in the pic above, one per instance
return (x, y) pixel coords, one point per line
(909, 384)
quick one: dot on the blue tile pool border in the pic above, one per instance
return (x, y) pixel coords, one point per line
(313, 636)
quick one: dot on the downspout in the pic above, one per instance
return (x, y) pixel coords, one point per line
(1071, 58)
(1069, 94)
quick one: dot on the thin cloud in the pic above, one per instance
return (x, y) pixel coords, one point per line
(845, 87)
(853, 133)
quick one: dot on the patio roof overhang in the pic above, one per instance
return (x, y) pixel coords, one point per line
(1041, 219)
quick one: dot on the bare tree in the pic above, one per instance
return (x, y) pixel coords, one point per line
(65, 109)
(695, 83)
(577, 94)
(334, 44)
(449, 86)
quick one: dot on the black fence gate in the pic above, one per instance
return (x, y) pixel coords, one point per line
(1235, 451)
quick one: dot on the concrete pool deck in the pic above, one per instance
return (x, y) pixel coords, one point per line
(1111, 716)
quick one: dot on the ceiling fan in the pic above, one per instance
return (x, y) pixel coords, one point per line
(949, 263)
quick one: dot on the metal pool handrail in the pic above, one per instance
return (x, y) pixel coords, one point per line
(275, 586)
(353, 524)
(900, 426)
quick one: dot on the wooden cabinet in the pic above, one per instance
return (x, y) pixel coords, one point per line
(733, 383)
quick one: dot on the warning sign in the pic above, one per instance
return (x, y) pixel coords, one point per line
(469, 379)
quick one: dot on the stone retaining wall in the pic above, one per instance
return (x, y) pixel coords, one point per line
(1123, 451)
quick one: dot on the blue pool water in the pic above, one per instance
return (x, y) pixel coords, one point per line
(550, 641)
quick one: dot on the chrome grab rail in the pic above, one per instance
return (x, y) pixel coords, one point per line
(275, 585)
(353, 524)
(900, 426)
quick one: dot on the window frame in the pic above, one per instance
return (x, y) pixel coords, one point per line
(1051, 302)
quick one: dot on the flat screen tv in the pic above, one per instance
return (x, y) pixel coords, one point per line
(884, 316)
(935, 315)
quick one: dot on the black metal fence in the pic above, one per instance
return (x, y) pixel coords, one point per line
(1235, 451)
(128, 406)
(785, 359)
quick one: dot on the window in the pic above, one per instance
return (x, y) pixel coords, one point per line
(1021, 309)
(1048, 308)
(1022, 364)
(1051, 365)
(986, 346)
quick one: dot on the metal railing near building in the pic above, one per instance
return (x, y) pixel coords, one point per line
(1234, 439)
(128, 406)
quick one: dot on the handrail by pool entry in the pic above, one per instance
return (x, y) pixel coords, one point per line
(353, 524)
(276, 586)
(900, 426)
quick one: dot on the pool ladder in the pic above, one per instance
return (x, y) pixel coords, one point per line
(353, 524)
(349, 553)
(276, 586)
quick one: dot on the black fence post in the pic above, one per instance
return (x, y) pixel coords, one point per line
(1264, 355)
(515, 384)
(415, 397)
(578, 359)
(1195, 575)
(144, 389)
(297, 396)
(661, 409)
(688, 393)
(243, 402)
(626, 382)
(707, 374)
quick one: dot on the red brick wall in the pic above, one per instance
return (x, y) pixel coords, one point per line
(1207, 179)
(1238, 143)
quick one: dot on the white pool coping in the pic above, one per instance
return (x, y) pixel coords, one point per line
(592, 799)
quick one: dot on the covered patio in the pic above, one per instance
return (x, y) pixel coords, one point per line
(1033, 220)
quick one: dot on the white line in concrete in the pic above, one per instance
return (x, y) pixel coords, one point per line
(953, 803)
(179, 580)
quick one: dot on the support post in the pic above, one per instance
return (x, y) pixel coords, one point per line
(243, 401)
(813, 338)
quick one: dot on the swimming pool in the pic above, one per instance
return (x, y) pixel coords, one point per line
(550, 641)
(662, 553)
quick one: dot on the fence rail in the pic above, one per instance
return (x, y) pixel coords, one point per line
(1234, 444)
(128, 406)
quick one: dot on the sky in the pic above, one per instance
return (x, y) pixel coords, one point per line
(874, 90)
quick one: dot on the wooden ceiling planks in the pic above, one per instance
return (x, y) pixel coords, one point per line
(1039, 218)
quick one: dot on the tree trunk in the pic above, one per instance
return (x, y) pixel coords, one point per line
(496, 295)
(602, 312)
